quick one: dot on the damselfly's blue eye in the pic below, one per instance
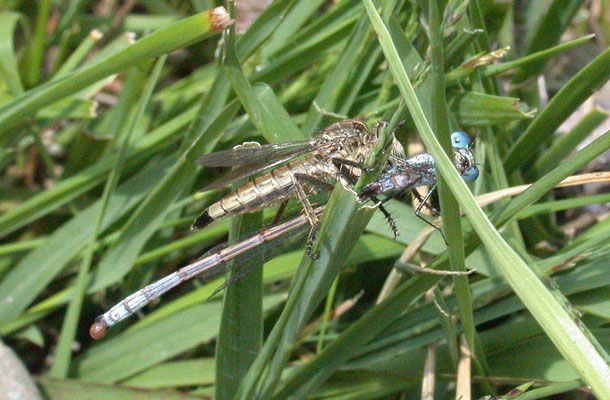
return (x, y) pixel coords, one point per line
(460, 140)
(471, 174)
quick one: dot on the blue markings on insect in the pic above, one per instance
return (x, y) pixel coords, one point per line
(460, 140)
(471, 174)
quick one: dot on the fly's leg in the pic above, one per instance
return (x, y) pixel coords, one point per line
(315, 182)
(423, 202)
(278, 213)
(426, 203)
(310, 239)
(342, 162)
(309, 212)
(339, 162)
(387, 216)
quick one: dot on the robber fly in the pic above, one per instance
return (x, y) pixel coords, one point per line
(334, 155)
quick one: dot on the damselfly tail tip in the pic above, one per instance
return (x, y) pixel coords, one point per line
(98, 329)
(201, 221)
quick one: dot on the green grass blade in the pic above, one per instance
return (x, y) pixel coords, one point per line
(551, 157)
(241, 328)
(121, 145)
(37, 269)
(9, 23)
(265, 111)
(71, 389)
(327, 98)
(31, 64)
(73, 186)
(172, 37)
(577, 90)
(553, 23)
(120, 258)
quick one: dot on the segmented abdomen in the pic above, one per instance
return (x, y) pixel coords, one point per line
(265, 190)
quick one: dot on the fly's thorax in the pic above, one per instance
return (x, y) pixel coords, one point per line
(349, 127)
(349, 136)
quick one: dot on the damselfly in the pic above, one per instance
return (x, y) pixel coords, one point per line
(420, 170)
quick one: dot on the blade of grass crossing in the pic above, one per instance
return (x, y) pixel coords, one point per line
(24, 283)
(71, 187)
(241, 327)
(449, 206)
(120, 258)
(561, 106)
(267, 23)
(265, 111)
(334, 83)
(560, 147)
(548, 31)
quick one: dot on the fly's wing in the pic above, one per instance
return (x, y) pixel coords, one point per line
(254, 155)
(244, 172)
(254, 159)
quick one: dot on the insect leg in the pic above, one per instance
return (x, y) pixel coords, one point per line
(387, 216)
(315, 182)
(342, 162)
(278, 213)
(310, 213)
(418, 212)
(426, 203)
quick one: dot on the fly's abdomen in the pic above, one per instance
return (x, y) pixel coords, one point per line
(264, 191)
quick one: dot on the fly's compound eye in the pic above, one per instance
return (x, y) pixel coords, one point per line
(471, 174)
(460, 140)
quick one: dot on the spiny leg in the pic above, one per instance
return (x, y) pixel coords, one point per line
(387, 216)
(342, 162)
(309, 211)
(418, 213)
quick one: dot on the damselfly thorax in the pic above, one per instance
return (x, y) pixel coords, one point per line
(323, 162)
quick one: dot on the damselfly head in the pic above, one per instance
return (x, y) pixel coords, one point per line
(464, 156)
(460, 140)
